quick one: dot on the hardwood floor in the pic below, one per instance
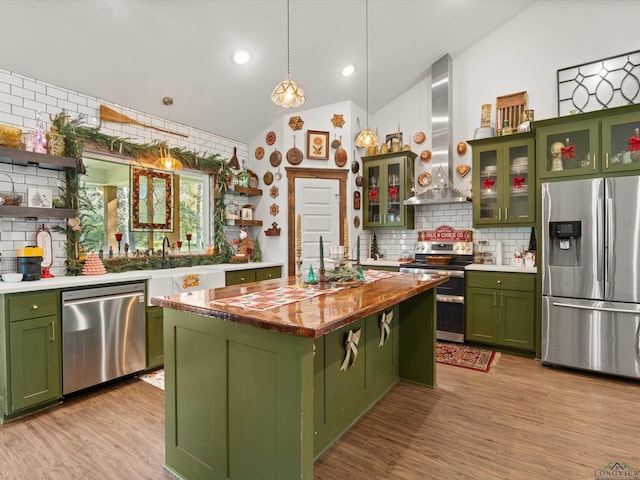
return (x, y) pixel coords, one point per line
(523, 421)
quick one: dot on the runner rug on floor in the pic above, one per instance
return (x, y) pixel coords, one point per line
(154, 378)
(466, 357)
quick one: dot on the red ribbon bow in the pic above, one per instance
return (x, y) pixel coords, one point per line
(518, 182)
(488, 183)
(373, 195)
(568, 152)
(634, 144)
(393, 192)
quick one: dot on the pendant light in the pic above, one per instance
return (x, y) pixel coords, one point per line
(166, 161)
(367, 138)
(288, 93)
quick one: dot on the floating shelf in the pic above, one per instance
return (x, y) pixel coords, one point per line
(244, 223)
(248, 191)
(33, 212)
(16, 156)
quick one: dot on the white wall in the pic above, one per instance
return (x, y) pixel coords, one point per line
(524, 54)
(275, 248)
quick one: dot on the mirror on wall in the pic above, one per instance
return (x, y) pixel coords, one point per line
(151, 200)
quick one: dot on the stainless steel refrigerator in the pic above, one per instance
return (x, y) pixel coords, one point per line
(591, 274)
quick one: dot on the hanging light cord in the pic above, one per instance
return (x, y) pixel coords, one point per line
(366, 53)
(288, 55)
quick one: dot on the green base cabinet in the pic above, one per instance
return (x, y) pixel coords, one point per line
(238, 277)
(271, 402)
(342, 395)
(501, 309)
(155, 346)
(31, 372)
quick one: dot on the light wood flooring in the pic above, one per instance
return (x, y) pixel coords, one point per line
(523, 421)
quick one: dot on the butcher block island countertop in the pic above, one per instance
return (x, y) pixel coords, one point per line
(261, 391)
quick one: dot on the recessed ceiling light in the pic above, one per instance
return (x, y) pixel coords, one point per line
(241, 57)
(348, 70)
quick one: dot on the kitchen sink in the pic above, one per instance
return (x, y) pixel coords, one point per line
(180, 280)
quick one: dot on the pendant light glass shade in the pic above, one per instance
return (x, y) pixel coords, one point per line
(367, 138)
(166, 162)
(288, 94)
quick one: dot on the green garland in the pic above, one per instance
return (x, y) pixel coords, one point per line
(77, 135)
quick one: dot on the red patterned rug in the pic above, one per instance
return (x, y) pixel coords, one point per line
(466, 357)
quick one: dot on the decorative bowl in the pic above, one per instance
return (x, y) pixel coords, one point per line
(10, 198)
(12, 277)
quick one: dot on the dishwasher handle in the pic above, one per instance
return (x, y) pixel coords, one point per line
(81, 301)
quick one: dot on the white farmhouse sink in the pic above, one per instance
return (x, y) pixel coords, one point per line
(171, 281)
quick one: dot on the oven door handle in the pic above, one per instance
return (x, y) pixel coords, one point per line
(450, 298)
(450, 273)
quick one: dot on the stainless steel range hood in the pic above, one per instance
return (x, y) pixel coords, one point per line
(441, 189)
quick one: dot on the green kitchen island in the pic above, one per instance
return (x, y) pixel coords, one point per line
(261, 378)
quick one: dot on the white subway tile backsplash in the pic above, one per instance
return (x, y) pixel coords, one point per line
(22, 92)
(57, 92)
(46, 99)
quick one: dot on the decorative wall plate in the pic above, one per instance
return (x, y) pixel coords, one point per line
(356, 221)
(419, 137)
(275, 158)
(273, 191)
(274, 209)
(425, 155)
(461, 148)
(270, 138)
(424, 180)
(296, 123)
(259, 153)
(463, 170)
(267, 178)
(337, 120)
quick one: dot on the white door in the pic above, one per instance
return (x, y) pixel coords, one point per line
(318, 201)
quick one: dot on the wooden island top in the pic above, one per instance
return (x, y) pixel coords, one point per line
(310, 317)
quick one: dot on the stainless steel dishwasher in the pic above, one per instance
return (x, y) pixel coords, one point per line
(103, 334)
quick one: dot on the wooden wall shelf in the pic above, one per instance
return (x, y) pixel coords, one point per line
(244, 223)
(33, 212)
(248, 191)
(16, 156)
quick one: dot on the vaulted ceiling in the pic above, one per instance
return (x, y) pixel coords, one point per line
(135, 52)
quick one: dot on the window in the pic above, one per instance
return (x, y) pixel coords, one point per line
(105, 209)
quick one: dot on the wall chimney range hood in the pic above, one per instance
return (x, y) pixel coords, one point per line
(441, 189)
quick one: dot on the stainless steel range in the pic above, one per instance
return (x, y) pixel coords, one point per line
(445, 251)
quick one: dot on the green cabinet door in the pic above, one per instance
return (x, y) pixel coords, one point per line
(238, 277)
(517, 319)
(482, 315)
(504, 181)
(388, 179)
(382, 349)
(35, 361)
(621, 143)
(155, 345)
(268, 273)
(569, 149)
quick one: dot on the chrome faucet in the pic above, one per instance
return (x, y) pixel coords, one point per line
(165, 244)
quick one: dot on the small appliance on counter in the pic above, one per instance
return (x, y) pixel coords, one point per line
(29, 262)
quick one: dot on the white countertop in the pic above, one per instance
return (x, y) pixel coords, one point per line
(483, 267)
(90, 280)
